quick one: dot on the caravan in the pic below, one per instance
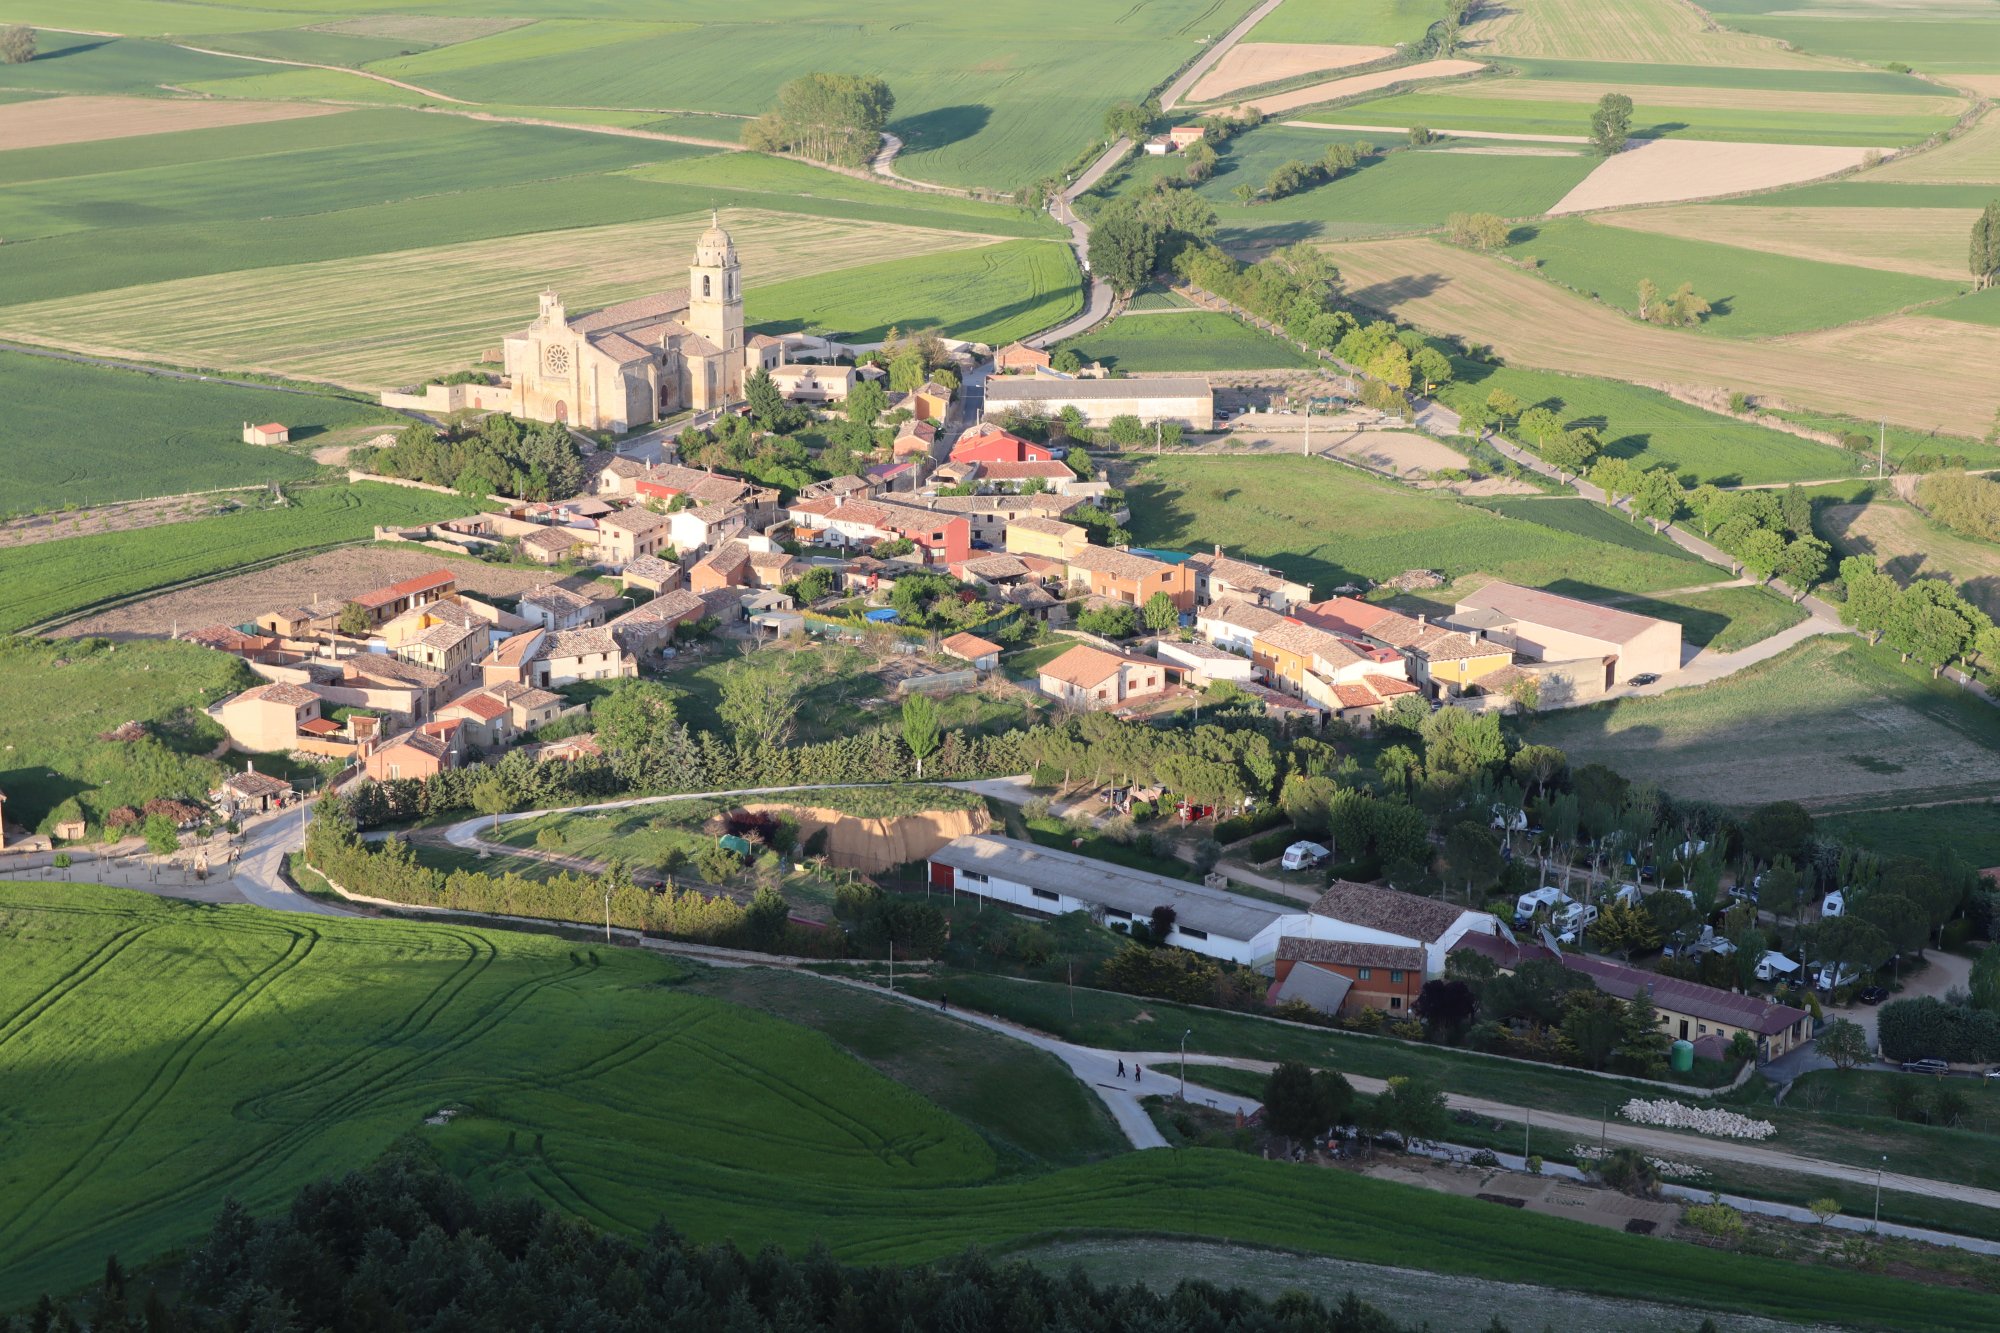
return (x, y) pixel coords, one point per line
(1571, 919)
(1528, 904)
(1776, 967)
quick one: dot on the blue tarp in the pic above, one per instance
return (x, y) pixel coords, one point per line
(885, 616)
(1171, 557)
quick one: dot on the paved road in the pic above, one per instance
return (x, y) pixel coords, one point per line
(1192, 74)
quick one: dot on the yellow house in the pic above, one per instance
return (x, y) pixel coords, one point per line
(1451, 662)
(1047, 537)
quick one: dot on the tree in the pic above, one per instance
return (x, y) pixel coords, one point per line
(1573, 451)
(866, 402)
(1199, 161)
(920, 727)
(1067, 362)
(761, 701)
(1642, 1042)
(1871, 595)
(767, 404)
(1472, 858)
(492, 797)
(1624, 928)
(354, 621)
(1985, 259)
(835, 118)
(1114, 621)
(1294, 1105)
(1537, 764)
(1657, 495)
(1611, 123)
(1540, 425)
(1414, 1108)
(1847, 944)
(907, 372)
(1447, 1007)
(17, 44)
(1160, 613)
(1929, 621)
(1124, 247)
(1761, 552)
(1479, 231)
(1844, 1042)
(1804, 562)
(1825, 1209)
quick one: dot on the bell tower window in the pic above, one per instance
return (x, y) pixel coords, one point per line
(704, 284)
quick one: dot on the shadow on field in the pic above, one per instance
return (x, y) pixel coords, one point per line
(1160, 519)
(1387, 296)
(59, 52)
(944, 125)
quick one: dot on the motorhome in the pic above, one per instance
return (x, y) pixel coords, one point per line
(1528, 904)
(1570, 921)
(1776, 967)
(1835, 904)
(1304, 856)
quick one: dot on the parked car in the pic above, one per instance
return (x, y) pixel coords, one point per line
(1872, 995)
(1647, 678)
(1305, 856)
(1936, 1068)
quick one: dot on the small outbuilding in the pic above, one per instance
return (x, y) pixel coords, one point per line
(984, 654)
(271, 432)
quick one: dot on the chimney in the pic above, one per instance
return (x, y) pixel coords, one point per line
(1423, 621)
(249, 765)
(839, 499)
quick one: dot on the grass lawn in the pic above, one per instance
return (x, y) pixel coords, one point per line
(1972, 830)
(157, 437)
(1651, 429)
(1753, 294)
(1362, 23)
(1722, 619)
(58, 578)
(995, 294)
(1026, 665)
(1972, 308)
(1184, 340)
(1328, 526)
(1832, 723)
(56, 699)
(591, 1078)
(1588, 519)
(1052, 832)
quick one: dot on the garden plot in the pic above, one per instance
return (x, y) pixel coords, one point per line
(1663, 32)
(1906, 369)
(389, 319)
(1248, 64)
(66, 120)
(1659, 171)
(1928, 242)
(1359, 83)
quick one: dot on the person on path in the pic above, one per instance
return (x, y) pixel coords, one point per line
(1138, 1074)
(944, 1003)
(1121, 1069)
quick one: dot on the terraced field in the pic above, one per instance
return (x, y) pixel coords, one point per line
(167, 1056)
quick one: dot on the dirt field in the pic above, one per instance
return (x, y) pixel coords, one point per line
(1656, 32)
(59, 120)
(1404, 453)
(332, 576)
(1929, 242)
(1911, 547)
(1664, 171)
(385, 320)
(1907, 369)
(32, 528)
(874, 845)
(1359, 83)
(1973, 158)
(1250, 63)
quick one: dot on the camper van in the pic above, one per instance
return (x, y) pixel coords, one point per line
(1776, 967)
(1571, 920)
(1825, 979)
(1304, 856)
(1835, 904)
(1528, 904)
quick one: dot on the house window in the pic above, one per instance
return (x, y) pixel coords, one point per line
(1396, 976)
(1046, 896)
(1191, 933)
(1395, 1002)
(1365, 974)
(1115, 913)
(972, 876)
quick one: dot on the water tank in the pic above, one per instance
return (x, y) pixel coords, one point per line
(1681, 1058)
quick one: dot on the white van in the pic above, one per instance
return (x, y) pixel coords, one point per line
(1835, 905)
(1304, 856)
(1629, 894)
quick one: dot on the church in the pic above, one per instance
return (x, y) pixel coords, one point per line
(639, 360)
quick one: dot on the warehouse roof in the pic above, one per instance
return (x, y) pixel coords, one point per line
(1103, 884)
(1037, 390)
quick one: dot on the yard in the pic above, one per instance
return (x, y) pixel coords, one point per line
(1327, 525)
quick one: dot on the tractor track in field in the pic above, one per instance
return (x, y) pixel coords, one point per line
(119, 1129)
(26, 1016)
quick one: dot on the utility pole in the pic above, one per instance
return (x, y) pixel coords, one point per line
(1877, 1226)
(608, 889)
(1184, 1037)
(1309, 428)
(1527, 1133)
(1881, 447)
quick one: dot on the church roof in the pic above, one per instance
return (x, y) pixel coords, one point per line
(620, 348)
(652, 309)
(693, 344)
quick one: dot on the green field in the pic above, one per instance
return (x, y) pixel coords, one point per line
(52, 579)
(1866, 193)
(1360, 23)
(1973, 308)
(1972, 830)
(1190, 340)
(164, 1056)
(82, 435)
(75, 63)
(1328, 526)
(1468, 110)
(1722, 619)
(1753, 294)
(1858, 82)
(57, 700)
(1936, 39)
(993, 294)
(1832, 723)
(1652, 429)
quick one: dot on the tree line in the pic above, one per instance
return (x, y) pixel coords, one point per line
(1928, 619)
(529, 460)
(404, 1244)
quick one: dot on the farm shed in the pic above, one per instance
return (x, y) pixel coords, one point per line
(1185, 400)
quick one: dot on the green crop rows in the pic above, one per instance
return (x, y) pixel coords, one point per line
(993, 294)
(169, 1055)
(1190, 340)
(51, 579)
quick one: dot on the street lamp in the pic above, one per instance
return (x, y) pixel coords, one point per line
(1877, 1225)
(1184, 1037)
(609, 889)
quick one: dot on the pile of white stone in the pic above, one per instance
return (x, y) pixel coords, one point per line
(1700, 1119)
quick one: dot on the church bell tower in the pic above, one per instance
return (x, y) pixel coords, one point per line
(715, 303)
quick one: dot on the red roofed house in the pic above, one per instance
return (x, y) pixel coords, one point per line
(1013, 476)
(1019, 356)
(1183, 135)
(271, 432)
(385, 604)
(984, 654)
(944, 538)
(990, 444)
(1096, 678)
(414, 754)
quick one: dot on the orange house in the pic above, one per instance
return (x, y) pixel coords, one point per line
(1121, 576)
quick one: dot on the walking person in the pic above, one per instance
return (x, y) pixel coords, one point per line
(1138, 1074)
(1121, 1069)
(944, 1003)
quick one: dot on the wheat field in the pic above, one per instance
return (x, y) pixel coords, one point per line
(1929, 242)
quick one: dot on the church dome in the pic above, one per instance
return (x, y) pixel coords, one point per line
(714, 248)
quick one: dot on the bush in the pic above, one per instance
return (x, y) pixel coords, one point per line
(1716, 1220)
(1927, 1028)
(717, 863)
